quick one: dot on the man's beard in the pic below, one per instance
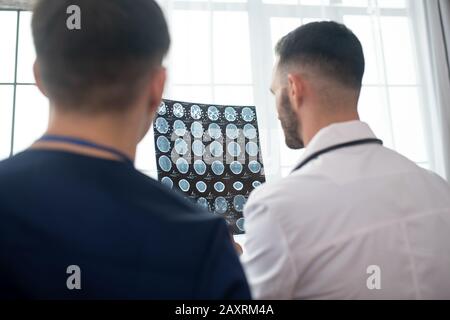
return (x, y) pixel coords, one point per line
(289, 123)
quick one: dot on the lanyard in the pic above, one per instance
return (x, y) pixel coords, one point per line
(335, 147)
(87, 144)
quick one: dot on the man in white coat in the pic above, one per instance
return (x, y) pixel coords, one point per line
(354, 220)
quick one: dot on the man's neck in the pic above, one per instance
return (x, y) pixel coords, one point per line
(103, 130)
(312, 127)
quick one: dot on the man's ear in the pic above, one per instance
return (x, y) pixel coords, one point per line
(38, 78)
(296, 90)
(158, 83)
(153, 96)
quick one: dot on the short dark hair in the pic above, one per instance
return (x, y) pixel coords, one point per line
(329, 46)
(101, 66)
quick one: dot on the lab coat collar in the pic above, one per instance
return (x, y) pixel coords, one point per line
(337, 133)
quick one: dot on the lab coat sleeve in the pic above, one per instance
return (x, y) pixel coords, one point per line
(266, 258)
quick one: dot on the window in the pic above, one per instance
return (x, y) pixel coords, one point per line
(222, 53)
(23, 109)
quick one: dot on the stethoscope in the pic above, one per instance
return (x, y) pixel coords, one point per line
(336, 147)
(87, 144)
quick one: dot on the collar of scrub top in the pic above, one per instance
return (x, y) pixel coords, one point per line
(334, 135)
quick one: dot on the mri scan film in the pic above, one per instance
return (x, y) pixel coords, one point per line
(212, 154)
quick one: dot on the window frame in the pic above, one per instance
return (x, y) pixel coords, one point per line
(259, 19)
(15, 82)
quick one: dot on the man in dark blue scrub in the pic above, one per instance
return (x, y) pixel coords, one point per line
(78, 221)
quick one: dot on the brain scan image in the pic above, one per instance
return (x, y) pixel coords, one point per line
(178, 110)
(161, 125)
(217, 167)
(213, 113)
(167, 181)
(182, 165)
(216, 149)
(184, 185)
(196, 112)
(230, 114)
(219, 186)
(181, 146)
(236, 167)
(250, 131)
(254, 166)
(201, 186)
(238, 186)
(232, 131)
(240, 223)
(248, 114)
(179, 128)
(202, 202)
(220, 205)
(210, 153)
(198, 148)
(239, 202)
(214, 131)
(199, 167)
(165, 163)
(252, 149)
(256, 184)
(162, 110)
(234, 149)
(197, 130)
(163, 144)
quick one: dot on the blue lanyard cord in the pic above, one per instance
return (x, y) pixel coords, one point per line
(87, 144)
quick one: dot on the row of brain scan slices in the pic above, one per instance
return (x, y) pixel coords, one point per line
(200, 167)
(197, 130)
(199, 149)
(202, 187)
(213, 113)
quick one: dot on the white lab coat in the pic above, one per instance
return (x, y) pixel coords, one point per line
(362, 222)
